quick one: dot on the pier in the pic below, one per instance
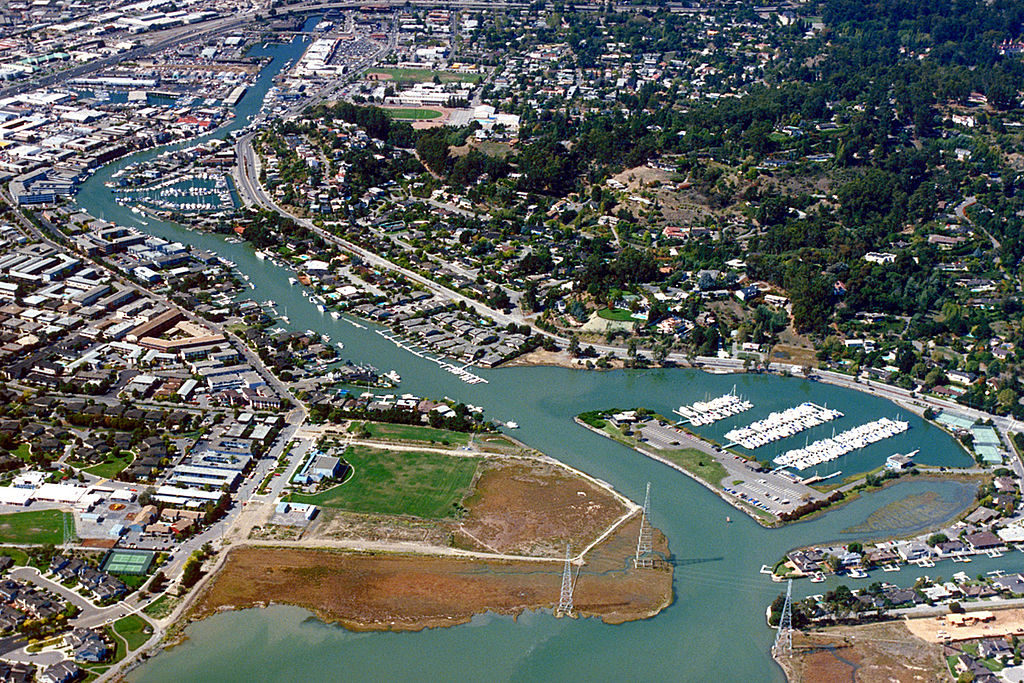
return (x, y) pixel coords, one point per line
(781, 425)
(708, 412)
(460, 372)
(841, 444)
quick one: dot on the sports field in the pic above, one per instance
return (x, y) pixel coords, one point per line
(413, 114)
(423, 75)
(429, 485)
(134, 562)
(38, 527)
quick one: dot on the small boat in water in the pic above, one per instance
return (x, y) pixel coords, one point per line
(512, 425)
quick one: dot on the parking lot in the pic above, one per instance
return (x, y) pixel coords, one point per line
(773, 492)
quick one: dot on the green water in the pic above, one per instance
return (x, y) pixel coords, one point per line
(715, 628)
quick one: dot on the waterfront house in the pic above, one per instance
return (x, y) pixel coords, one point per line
(914, 550)
(61, 672)
(983, 540)
(881, 556)
(953, 547)
(1013, 583)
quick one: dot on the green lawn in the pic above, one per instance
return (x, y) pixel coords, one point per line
(19, 556)
(134, 629)
(413, 114)
(396, 432)
(121, 649)
(698, 463)
(424, 75)
(111, 467)
(34, 528)
(619, 314)
(22, 451)
(427, 485)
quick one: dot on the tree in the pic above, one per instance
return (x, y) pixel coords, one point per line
(1007, 398)
(574, 346)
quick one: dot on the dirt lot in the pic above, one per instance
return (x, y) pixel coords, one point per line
(936, 629)
(518, 507)
(530, 508)
(556, 358)
(871, 653)
(404, 592)
(339, 525)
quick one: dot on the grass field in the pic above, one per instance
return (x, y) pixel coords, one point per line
(413, 114)
(618, 314)
(407, 483)
(134, 629)
(396, 432)
(19, 556)
(424, 75)
(22, 451)
(34, 528)
(110, 468)
(698, 463)
(161, 607)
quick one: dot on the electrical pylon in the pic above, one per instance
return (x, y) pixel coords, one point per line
(783, 646)
(645, 543)
(565, 599)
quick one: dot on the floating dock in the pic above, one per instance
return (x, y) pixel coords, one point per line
(709, 412)
(841, 444)
(781, 425)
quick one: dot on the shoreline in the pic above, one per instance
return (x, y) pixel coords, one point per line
(408, 591)
(665, 461)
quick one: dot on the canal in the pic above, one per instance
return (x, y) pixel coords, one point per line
(714, 629)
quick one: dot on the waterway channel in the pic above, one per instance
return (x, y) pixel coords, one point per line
(715, 628)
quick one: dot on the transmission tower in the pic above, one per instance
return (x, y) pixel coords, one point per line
(645, 544)
(783, 646)
(565, 599)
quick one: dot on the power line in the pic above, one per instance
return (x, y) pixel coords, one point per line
(783, 646)
(565, 599)
(645, 543)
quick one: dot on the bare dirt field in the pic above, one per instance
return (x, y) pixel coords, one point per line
(409, 592)
(869, 653)
(556, 358)
(531, 508)
(1007, 622)
(518, 507)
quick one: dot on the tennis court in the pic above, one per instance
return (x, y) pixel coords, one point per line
(135, 562)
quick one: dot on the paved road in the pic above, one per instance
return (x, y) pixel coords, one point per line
(160, 41)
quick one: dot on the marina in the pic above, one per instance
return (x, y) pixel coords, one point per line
(461, 372)
(708, 412)
(781, 425)
(280, 641)
(838, 445)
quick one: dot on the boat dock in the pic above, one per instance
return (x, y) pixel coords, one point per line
(781, 425)
(460, 372)
(825, 450)
(708, 412)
